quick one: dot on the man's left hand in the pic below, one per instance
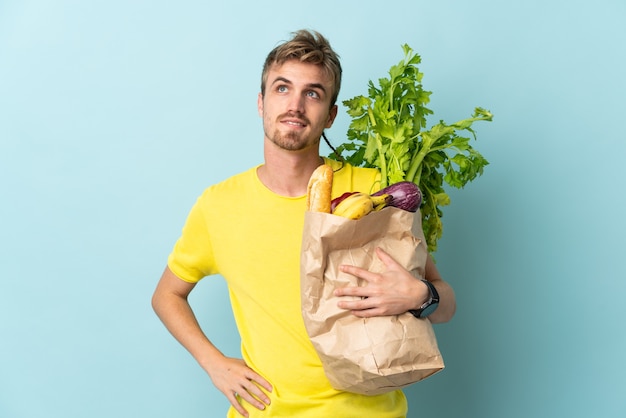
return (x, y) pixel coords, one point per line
(392, 292)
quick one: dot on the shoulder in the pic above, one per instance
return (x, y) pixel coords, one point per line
(232, 185)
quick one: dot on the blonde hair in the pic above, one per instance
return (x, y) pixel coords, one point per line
(310, 47)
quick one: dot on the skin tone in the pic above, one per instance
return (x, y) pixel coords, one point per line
(396, 291)
(295, 109)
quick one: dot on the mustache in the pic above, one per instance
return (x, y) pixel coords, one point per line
(295, 115)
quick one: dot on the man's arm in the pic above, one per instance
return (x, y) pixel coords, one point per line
(396, 291)
(231, 376)
(447, 300)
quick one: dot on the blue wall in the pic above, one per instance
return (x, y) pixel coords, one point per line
(114, 115)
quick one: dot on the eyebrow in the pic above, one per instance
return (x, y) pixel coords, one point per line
(310, 85)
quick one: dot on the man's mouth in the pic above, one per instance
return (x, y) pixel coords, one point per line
(294, 123)
(294, 120)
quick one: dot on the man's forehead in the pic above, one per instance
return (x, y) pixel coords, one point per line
(294, 70)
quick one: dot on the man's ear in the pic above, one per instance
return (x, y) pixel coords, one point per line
(259, 104)
(332, 114)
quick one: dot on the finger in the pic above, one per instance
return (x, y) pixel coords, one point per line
(365, 308)
(257, 397)
(246, 394)
(260, 380)
(355, 305)
(368, 313)
(387, 259)
(358, 272)
(362, 307)
(233, 398)
(357, 291)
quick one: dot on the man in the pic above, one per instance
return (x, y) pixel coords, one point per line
(248, 229)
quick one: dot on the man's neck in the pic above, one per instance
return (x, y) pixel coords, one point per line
(287, 173)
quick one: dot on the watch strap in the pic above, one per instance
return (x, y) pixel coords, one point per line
(430, 305)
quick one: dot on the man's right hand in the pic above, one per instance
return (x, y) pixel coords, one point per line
(231, 376)
(237, 381)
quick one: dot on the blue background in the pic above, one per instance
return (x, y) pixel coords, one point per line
(114, 116)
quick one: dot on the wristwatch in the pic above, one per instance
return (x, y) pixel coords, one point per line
(430, 305)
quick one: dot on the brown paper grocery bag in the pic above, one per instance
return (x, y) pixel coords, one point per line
(364, 355)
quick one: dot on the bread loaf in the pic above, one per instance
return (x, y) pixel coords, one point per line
(319, 189)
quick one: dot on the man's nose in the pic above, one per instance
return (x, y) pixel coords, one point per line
(296, 103)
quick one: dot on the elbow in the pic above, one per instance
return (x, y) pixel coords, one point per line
(158, 300)
(449, 313)
(439, 317)
(154, 302)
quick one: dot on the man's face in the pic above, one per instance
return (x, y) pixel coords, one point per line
(296, 105)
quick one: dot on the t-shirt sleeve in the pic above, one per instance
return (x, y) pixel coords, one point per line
(192, 256)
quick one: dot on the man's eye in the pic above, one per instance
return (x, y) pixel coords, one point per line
(313, 94)
(282, 89)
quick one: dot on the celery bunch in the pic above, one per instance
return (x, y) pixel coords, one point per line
(388, 131)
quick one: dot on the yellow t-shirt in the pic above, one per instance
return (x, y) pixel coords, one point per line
(252, 237)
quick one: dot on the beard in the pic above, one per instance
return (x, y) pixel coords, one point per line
(292, 140)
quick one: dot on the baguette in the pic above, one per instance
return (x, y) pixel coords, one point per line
(319, 189)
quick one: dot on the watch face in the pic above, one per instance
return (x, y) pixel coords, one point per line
(428, 310)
